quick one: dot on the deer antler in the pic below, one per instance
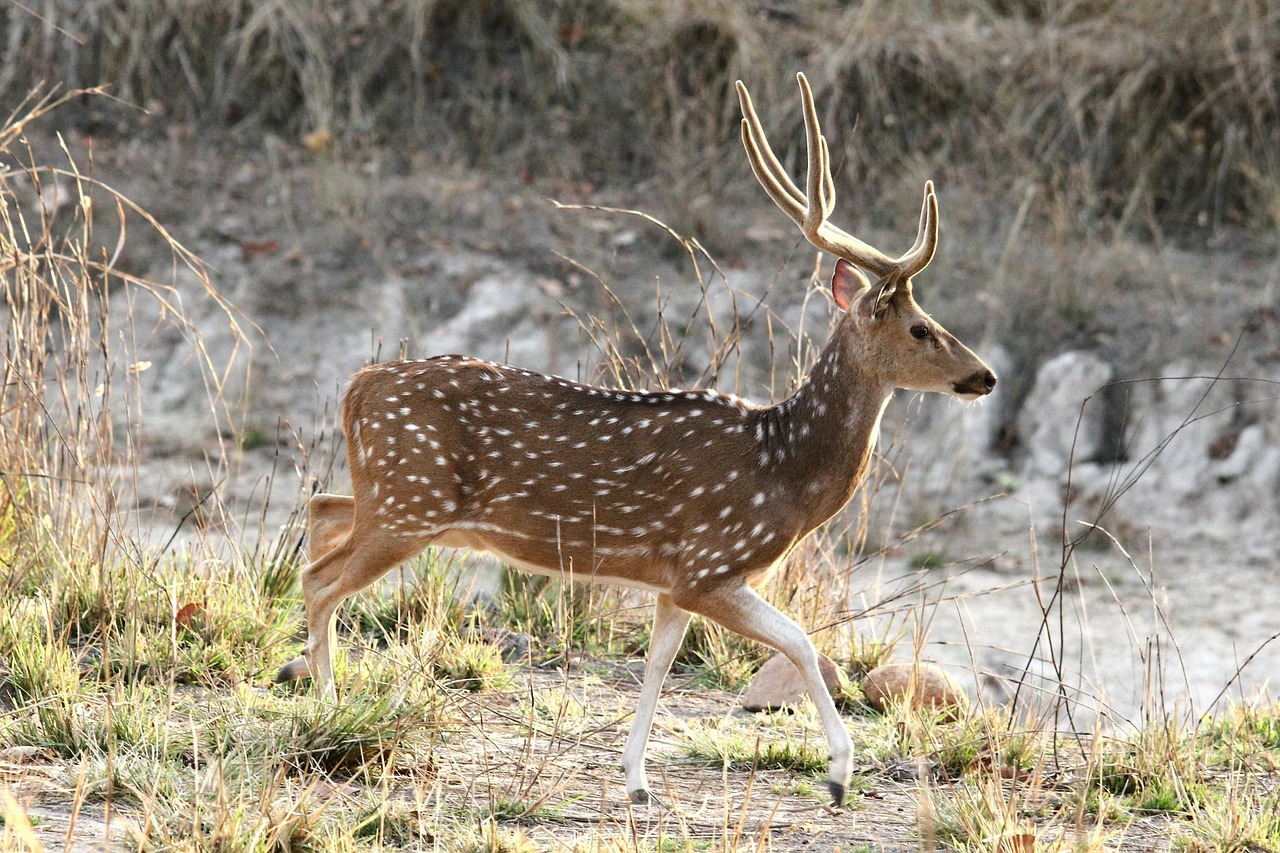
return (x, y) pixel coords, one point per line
(812, 215)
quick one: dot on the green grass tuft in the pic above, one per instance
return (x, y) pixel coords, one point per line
(733, 746)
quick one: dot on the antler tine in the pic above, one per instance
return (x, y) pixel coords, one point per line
(764, 163)
(833, 239)
(790, 205)
(820, 185)
(924, 217)
(921, 252)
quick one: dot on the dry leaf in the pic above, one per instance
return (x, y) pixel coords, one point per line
(317, 140)
(187, 614)
(250, 249)
(1023, 842)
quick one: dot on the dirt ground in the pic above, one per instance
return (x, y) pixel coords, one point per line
(497, 756)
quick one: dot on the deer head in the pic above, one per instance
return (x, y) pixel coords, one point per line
(887, 332)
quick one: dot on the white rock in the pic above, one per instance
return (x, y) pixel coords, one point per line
(1053, 425)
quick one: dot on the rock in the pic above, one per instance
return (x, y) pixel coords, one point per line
(931, 686)
(513, 645)
(1052, 424)
(24, 754)
(779, 684)
(959, 439)
(914, 770)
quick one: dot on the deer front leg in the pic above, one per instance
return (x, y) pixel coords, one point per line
(739, 608)
(669, 624)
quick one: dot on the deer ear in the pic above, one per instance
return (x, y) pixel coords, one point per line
(888, 288)
(847, 282)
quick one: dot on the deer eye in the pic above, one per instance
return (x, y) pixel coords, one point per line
(920, 331)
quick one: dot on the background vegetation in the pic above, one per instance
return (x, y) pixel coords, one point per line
(1121, 114)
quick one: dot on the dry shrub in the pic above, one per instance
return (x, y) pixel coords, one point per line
(69, 398)
(1137, 113)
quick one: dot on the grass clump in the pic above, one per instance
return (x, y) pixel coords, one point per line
(38, 666)
(395, 824)
(761, 745)
(1239, 819)
(865, 653)
(980, 815)
(200, 625)
(1245, 737)
(558, 710)
(224, 815)
(490, 837)
(209, 625)
(472, 666)
(1160, 771)
(361, 734)
(511, 809)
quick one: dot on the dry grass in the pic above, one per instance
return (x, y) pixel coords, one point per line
(1116, 116)
(70, 396)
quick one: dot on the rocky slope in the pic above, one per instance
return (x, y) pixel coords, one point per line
(1139, 385)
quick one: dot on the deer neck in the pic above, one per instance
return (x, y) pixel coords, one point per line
(820, 441)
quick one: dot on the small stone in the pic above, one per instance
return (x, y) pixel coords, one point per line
(513, 645)
(24, 754)
(926, 684)
(322, 791)
(915, 770)
(780, 685)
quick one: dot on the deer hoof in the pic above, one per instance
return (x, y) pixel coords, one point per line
(639, 797)
(293, 671)
(837, 793)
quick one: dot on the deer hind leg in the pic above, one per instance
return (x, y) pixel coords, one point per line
(669, 624)
(356, 562)
(329, 521)
(740, 609)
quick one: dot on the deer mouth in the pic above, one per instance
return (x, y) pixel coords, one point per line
(980, 384)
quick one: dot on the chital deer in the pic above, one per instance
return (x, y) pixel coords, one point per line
(694, 495)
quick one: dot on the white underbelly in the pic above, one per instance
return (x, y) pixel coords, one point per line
(567, 573)
(474, 541)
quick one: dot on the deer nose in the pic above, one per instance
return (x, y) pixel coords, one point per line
(977, 384)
